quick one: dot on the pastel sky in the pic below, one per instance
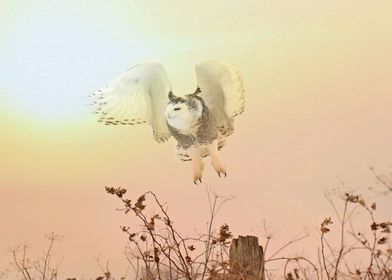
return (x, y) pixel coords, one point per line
(318, 113)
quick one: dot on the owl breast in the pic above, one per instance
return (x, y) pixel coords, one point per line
(203, 131)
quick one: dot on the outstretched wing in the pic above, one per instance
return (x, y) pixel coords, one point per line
(140, 95)
(223, 91)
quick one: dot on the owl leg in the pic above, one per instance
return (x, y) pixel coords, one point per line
(197, 162)
(216, 161)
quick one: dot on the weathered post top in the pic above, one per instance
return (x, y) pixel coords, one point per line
(246, 258)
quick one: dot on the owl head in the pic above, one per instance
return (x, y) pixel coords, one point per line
(184, 112)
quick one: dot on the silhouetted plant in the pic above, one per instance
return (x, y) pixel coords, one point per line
(336, 261)
(157, 250)
(164, 252)
(29, 269)
(385, 180)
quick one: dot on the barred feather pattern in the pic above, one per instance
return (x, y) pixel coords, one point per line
(183, 154)
(222, 88)
(206, 131)
(138, 96)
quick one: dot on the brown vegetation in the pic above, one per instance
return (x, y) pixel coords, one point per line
(37, 269)
(157, 250)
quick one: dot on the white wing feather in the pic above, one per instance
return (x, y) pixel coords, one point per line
(223, 91)
(140, 95)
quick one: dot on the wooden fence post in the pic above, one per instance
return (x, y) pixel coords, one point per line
(246, 258)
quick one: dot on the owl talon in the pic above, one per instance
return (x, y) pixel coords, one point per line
(195, 181)
(223, 173)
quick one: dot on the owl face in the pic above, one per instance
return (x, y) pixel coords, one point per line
(183, 113)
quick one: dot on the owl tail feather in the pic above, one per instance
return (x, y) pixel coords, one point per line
(183, 154)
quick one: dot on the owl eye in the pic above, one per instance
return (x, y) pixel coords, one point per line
(176, 109)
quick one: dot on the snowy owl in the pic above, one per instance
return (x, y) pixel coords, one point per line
(199, 121)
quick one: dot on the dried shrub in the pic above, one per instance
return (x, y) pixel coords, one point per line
(158, 251)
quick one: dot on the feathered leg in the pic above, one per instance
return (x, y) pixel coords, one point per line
(216, 161)
(195, 153)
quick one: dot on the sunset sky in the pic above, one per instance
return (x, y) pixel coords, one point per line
(318, 115)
